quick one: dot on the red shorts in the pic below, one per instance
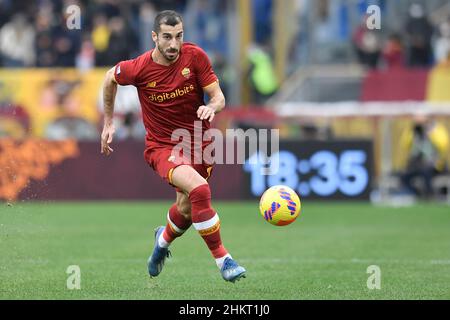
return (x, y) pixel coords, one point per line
(164, 162)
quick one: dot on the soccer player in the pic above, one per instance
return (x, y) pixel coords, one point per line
(171, 81)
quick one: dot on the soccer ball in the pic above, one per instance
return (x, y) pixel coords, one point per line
(280, 205)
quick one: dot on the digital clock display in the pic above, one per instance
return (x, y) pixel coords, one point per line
(317, 169)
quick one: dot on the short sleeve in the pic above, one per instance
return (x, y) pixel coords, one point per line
(205, 72)
(125, 72)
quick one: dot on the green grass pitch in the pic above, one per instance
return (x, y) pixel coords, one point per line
(323, 255)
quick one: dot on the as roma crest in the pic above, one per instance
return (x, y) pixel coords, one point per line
(186, 72)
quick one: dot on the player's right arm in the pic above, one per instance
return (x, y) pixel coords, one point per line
(109, 96)
(124, 74)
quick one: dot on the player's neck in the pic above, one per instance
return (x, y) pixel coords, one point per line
(158, 58)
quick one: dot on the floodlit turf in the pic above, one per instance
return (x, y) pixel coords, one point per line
(323, 255)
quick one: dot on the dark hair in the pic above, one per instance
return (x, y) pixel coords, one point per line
(169, 17)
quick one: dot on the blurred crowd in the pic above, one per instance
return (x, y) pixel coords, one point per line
(35, 33)
(420, 43)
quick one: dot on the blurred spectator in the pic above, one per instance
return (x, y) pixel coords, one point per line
(300, 46)
(325, 33)
(223, 71)
(130, 127)
(262, 76)
(45, 55)
(120, 42)
(367, 45)
(86, 57)
(419, 32)
(100, 38)
(66, 44)
(112, 40)
(393, 52)
(17, 42)
(262, 13)
(427, 144)
(442, 46)
(205, 25)
(147, 14)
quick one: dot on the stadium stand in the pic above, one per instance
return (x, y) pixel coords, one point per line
(326, 87)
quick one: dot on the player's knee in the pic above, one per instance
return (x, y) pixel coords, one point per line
(187, 179)
(201, 192)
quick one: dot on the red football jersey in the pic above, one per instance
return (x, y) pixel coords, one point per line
(169, 95)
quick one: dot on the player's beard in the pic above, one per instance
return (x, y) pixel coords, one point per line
(167, 57)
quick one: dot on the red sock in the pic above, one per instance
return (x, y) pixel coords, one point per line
(206, 221)
(176, 224)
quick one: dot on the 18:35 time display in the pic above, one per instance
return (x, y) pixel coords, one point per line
(324, 173)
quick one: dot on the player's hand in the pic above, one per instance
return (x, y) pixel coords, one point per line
(107, 137)
(205, 112)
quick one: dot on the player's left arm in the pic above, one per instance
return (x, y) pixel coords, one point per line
(216, 102)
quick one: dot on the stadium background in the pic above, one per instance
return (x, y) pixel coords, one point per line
(339, 88)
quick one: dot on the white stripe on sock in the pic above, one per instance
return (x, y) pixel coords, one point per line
(174, 226)
(206, 224)
(220, 261)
